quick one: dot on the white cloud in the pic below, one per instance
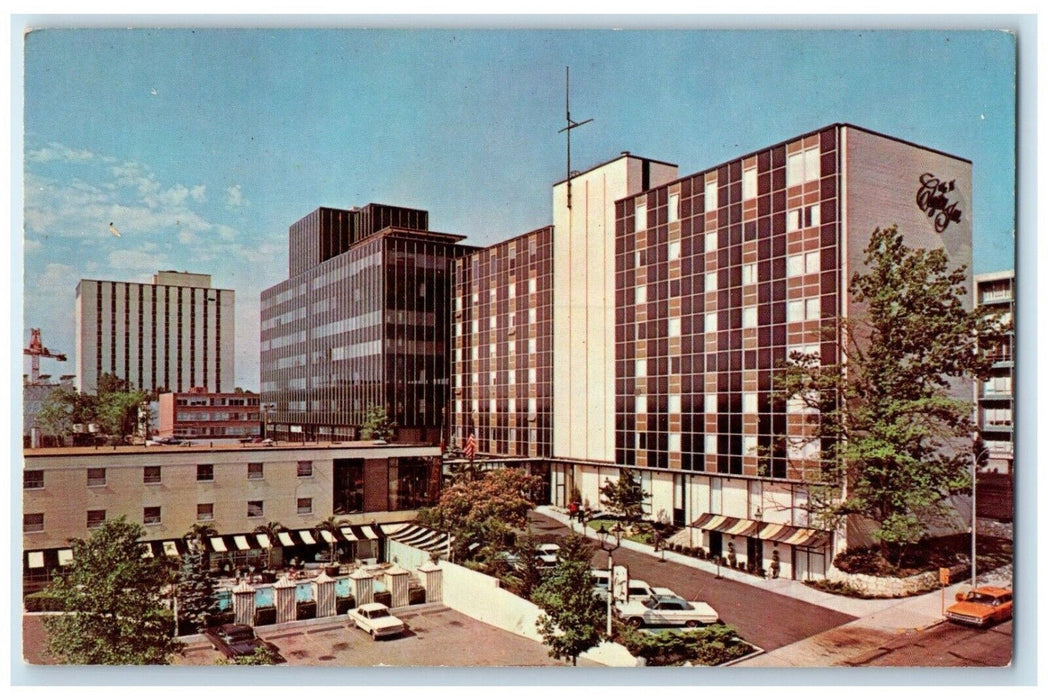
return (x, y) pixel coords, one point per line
(58, 152)
(234, 197)
(135, 265)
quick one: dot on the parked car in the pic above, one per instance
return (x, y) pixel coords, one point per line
(982, 607)
(668, 611)
(376, 620)
(235, 640)
(636, 591)
(547, 554)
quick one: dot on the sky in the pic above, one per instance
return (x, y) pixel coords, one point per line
(202, 146)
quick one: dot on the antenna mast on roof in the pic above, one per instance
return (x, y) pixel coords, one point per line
(571, 125)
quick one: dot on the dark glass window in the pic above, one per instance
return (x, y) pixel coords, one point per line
(305, 469)
(33, 479)
(205, 472)
(255, 509)
(255, 470)
(151, 515)
(95, 518)
(348, 490)
(205, 511)
(96, 476)
(33, 522)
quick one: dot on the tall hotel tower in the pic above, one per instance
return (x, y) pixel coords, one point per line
(674, 302)
(171, 335)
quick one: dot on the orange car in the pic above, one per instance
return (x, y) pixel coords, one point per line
(983, 606)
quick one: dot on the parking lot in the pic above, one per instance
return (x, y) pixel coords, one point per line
(440, 637)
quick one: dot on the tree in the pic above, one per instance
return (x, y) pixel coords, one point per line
(625, 496)
(111, 594)
(196, 538)
(63, 408)
(376, 425)
(882, 421)
(270, 530)
(484, 510)
(573, 616)
(195, 592)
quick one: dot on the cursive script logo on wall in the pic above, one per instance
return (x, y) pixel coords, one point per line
(934, 199)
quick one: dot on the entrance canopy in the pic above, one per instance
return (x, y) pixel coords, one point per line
(775, 532)
(418, 536)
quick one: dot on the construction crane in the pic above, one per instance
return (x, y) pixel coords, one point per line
(36, 350)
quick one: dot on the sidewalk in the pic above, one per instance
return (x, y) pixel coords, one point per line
(878, 619)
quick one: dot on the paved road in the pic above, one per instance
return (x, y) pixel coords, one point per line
(766, 619)
(944, 644)
(435, 638)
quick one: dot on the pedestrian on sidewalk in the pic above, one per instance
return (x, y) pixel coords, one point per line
(573, 511)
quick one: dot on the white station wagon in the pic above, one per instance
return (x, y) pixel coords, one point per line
(376, 620)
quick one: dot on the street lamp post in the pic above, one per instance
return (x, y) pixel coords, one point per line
(610, 546)
(977, 454)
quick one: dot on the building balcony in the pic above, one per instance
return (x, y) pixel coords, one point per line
(987, 426)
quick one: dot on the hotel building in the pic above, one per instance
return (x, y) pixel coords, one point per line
(171, 335)
(363, 320)
(675, 299)
(67, 492)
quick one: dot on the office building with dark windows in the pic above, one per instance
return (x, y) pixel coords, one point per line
(171, 335)
(674, 302)
(362, 320)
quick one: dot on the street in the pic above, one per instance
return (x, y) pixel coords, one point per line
(763, 618)
(945, 644)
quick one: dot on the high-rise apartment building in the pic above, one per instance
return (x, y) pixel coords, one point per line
(676, 299)
(363, 320)
(995, 397)
(171, 335)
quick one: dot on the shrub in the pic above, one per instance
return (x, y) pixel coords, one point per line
(709, 646)
(41, 601)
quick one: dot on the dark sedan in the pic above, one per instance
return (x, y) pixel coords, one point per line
(235, 641)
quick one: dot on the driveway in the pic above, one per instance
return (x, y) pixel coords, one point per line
(761, 617)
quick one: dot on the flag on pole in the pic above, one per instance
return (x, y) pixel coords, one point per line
(471, 447)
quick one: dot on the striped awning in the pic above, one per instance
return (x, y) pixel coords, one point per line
(285, 539)
(306, 537)
(727, 524)
(775, 532)
(420, 537)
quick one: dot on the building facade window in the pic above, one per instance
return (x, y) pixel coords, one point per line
(640, 216)
(205, 472)
(255, 470)
(802, 166)
(33, 479)
(255, 509)
(95, 518)
(711, 196)
(205, 512)
(96, 476)
(749, 183)
(151, 475)
(673, 210)
(151, 515)
(305, 469)
(673, 250)
(33, 522)
(305, 506)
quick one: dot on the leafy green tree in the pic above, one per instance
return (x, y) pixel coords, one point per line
(484, 510)
(625, 496)
(196, 538)
(112, 597)
(195, 593)
(882, 421)
(64, 407)
(573, 616)
(376, 425)
(526, 573)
